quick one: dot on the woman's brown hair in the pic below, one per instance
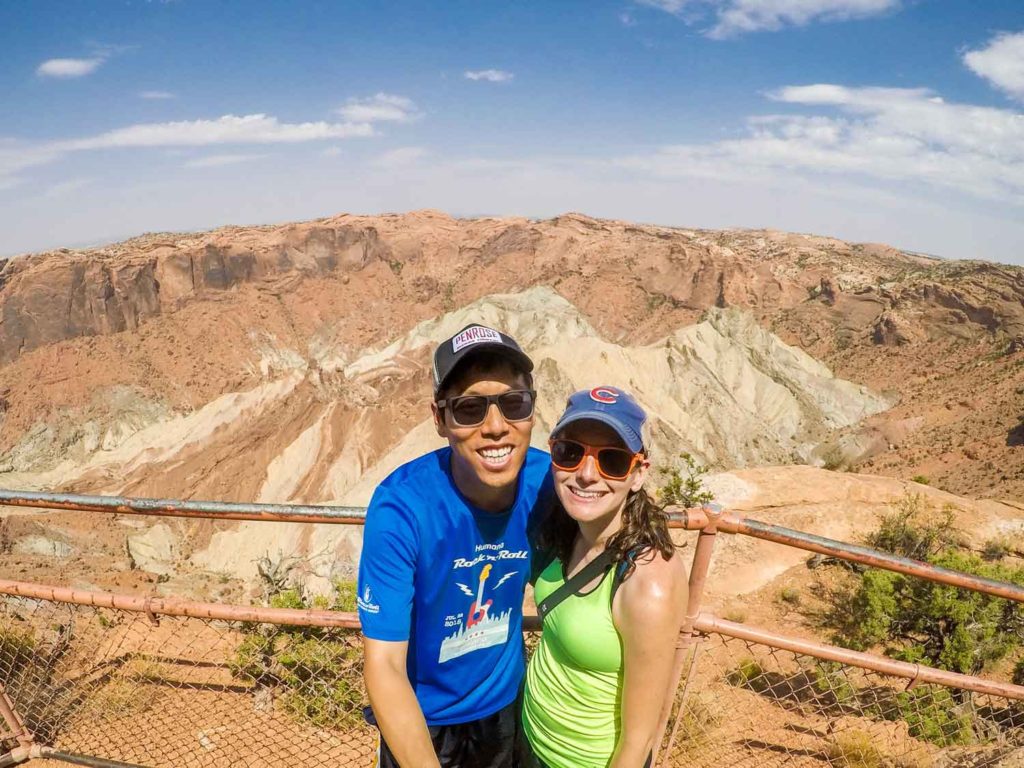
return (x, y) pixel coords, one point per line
(644, 529)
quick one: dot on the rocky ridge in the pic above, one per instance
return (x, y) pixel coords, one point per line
(289, 362)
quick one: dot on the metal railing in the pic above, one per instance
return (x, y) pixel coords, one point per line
(118, 679)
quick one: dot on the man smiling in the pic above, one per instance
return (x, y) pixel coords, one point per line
(444, 563)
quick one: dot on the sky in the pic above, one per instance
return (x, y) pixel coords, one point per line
(895, 121)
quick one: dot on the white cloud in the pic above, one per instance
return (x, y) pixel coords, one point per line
(229, 129)
(905, 136)
(489, 75)
(1001, 62)
(383, 107)
(68, 68)
(216, 161)
(736, 17)
(65, 188)
(156, 95)
(17, 156)
(400, 158)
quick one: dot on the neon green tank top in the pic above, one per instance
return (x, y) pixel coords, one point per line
(573, 689)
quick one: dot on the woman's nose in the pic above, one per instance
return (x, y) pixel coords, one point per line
(588, 470)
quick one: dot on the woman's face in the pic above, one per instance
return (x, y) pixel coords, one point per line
(585, 494)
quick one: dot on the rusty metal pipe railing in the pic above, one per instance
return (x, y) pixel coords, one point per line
(707, 518)
(158, 606)
(15, 725)
(687, 519)
(855, 553)
(76, 759)
(20, 754)
(915, 672)
(210, 510)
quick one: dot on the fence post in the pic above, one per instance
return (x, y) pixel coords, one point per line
(687, 639)
(15, 727)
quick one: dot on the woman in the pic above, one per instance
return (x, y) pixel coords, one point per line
(596, 684)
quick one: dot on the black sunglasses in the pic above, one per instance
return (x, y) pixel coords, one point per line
(471, 410)
(612, 463)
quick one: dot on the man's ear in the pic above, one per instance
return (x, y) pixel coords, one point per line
(439, 424)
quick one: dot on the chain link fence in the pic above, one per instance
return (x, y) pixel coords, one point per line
(747, 704)
(181, 691)
(184, 691)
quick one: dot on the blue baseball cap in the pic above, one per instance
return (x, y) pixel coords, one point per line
(611, 406)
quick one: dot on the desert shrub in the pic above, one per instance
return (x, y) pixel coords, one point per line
(17, 648)
(701, 714)
(855, 749)
(790, 595)
(315, 671)
(735, 613)
(996, 549)
(30, 673)
(922, 479)
(933, 715)
(829, 682)
(748, 674)
(922, 621)
(912, 529)
(1018, 673)
(684, 487)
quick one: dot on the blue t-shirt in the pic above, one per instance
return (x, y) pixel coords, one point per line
(449, 578)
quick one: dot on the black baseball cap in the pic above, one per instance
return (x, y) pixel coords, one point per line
(470, 340)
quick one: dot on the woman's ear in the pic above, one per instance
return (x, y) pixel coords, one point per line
(641, 474)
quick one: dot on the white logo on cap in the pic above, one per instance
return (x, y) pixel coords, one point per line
(475, 335)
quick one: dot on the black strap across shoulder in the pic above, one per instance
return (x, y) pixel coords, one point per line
(591, 570)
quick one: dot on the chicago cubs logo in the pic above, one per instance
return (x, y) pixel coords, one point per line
(605, 395)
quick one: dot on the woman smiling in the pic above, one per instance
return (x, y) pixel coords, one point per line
(612, 599)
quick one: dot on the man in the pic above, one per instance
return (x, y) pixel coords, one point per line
(445, 561)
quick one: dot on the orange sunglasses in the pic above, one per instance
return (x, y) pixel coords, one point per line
(612, 463)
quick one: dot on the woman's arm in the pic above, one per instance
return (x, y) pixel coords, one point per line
(648, 611)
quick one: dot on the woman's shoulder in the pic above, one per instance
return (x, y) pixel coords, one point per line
(655, 581)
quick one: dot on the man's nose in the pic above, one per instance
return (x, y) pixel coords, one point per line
(494, 422)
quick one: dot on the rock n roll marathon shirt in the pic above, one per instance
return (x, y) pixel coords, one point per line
(449, 578)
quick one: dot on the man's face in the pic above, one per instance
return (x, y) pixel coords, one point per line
(486, 459)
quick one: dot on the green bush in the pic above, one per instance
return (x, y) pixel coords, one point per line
(315, 670)
(790, 595)
(1018, 673)
(748, 674)
(684, 487)
(996, 549)
(17, 649)
(912, 529)
(932, 715)
(855, 749)
(922, 621)
(829, 681)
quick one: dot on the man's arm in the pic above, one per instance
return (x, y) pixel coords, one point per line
(394, 704)
(387, 568)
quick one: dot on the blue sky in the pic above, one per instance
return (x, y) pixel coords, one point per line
(898, 121)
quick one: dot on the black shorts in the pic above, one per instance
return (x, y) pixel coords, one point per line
(489, 742)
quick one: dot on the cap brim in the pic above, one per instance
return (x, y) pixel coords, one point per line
(632, 440)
